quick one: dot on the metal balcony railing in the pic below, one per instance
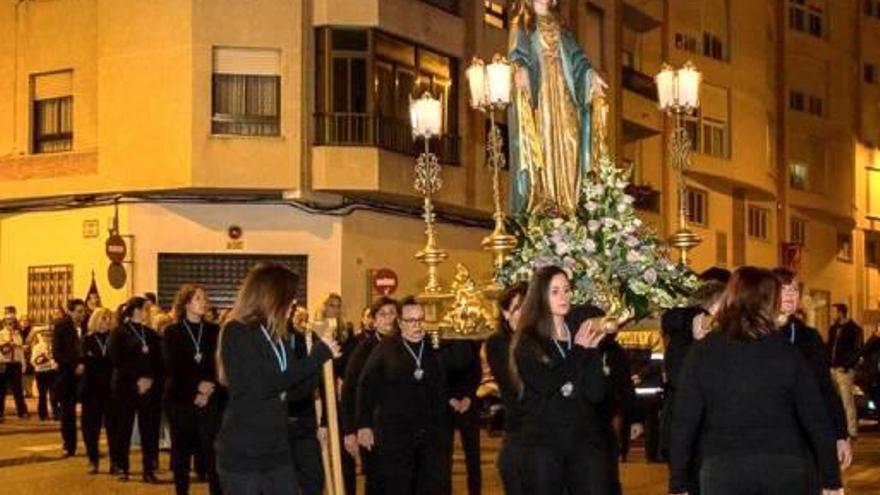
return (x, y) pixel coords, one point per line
(639, 83)
(360, 129)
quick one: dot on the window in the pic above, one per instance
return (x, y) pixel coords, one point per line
(709, 130)
(796, 101)
(721, 249)
(798, 232)
(758, 223)
(354, 110)
(49, 287)
(697, 206)
(686, 42)
(495, 14)
(713, 46)
(870, 74)
(246, 92)
(844, 247)
(807, 17)
(815, 106)
(872, 8)
(52, 112)
(872, 245)
(798, 175)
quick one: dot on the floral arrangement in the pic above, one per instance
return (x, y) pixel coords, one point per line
(614, 261)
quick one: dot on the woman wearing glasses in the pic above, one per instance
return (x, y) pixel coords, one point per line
(401, 407)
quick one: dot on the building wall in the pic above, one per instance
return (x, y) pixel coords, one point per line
(56, 238)
(373, 240)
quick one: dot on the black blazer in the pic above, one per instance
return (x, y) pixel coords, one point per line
(182, 372)
(66, 343)
(131, 363)
(95, 381)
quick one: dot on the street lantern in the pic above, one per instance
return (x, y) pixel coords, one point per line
(476, 76)
(489, 84)
(426, 116)
(678, 90)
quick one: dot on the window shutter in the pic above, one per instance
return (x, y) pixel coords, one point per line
(53, 85)
(247, 61)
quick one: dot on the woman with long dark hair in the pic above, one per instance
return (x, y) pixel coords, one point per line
(135, 387)
(557, 373)
(253, 453)
(193, 399)
(498, 355)
(747, 395)
(95, 382)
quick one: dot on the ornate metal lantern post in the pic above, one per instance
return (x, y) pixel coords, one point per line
(490, 93)
(426, 117)
(679, 96)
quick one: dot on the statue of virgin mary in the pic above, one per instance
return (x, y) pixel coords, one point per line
(550, 118)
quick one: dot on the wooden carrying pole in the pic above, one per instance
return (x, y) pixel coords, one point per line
(334, 484)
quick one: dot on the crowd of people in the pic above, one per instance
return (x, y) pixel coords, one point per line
(755, 401)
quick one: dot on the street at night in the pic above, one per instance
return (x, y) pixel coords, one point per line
(31, 464)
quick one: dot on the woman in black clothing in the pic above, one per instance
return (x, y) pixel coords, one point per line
(193, 400)
(253, 453)
(749, 398)
(559, 379)
(95, 383)
(510, 464)
(135, 387)
(401, 402)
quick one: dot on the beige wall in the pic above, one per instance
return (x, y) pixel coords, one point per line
(371, 241)
(56, 238)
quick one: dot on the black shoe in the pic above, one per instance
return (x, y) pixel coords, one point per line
(69, 453)
(149, 477)
(123, 476)
(93, 468)
(114, 470)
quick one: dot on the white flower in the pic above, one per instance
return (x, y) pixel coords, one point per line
(591, 206)
(637, 222)
(608, 221)
(562, 248)
(650, 276)
(632, 257)
(621, 207)
(628, 199)
(632, 241)
(593, 225)
(590, 246)
(557, 222)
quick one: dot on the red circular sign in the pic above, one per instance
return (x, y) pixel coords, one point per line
(384, 281)
(116, 249)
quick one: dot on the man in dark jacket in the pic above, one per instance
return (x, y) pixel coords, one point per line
(844, 345)
(464, 371)
(66, 351)
(809, 343)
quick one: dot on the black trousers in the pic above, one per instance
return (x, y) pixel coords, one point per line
(65, 390)
(124, 410)
(468, 426)
(46, 395)
(411, 464)
(764, 474)
(11, 380)
(276, 481)
(372, 476)
(573, 469)
(305, 451)
(95, 410)
(193, 429)
(510, 465)
(612, 452)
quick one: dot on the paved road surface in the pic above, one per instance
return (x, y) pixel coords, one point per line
(31, 464)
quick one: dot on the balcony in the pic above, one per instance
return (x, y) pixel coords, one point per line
(642, 15)
(357, 129)
(641, 118)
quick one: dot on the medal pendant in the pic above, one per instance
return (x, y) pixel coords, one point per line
(567, 389)
(418, 374)
(198, 357)
(282, 396)
(145, 349)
